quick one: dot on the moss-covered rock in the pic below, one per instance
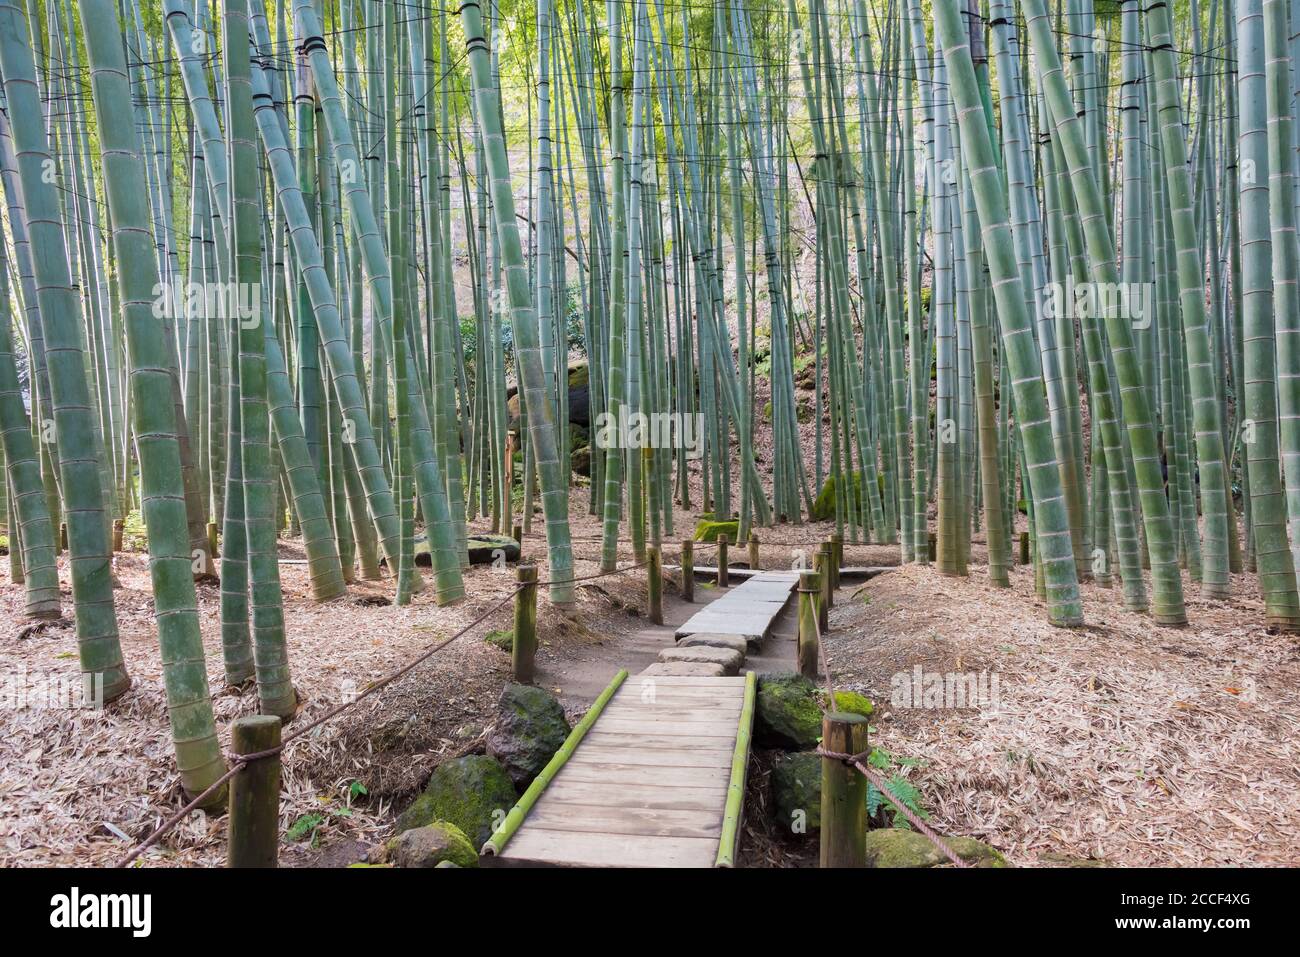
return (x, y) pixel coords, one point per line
(898, 847)
(708, 531)
(483, 548)
(797, 792)
(473, 793)
(850, 702)
(787, 714)
(503, 639)
(823, 509)
(580, 461)
(434, 845)
(530, 727)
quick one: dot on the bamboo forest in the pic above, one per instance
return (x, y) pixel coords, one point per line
(630, 433)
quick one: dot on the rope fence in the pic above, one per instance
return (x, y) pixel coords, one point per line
(242, 761)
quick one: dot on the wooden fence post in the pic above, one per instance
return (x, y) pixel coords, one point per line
(844, 792)
(255, 795)
(827, 593)
(517, 533)
(524, 649)
(837, 559)
(809, 589)
(688, 570)
(655, 571)
(723, 578)
(1024, 548)
(753, 551)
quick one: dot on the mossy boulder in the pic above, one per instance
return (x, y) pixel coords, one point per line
(797, 792)
(530, 727)
(580, 461)
(504, 639)
(850, 702)
(823, 509)
(787, 715)
(434, 845)
(473, 793)
(579, 398)
(708, 531)
(898, 847)
(483, 548)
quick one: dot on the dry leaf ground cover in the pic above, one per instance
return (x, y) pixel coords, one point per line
(1120, 741)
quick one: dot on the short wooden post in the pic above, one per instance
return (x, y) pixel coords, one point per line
(809, 589)
(837, 559)
(1024, 548)
(63, 536)
(212, 539)
(688, 570)
(753, 551)
(844, 792)
(827, 593)
(932, 543)
(255, 795)
(119, 527)
(655, 574)
(524, 649)
(723, 578)
(517, 533)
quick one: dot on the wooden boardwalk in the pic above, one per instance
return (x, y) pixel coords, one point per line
(654, 774)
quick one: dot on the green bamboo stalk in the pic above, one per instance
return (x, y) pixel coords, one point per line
(189, 704)
(1277, 576)
(541, 418)
(1053, 538)
(74, 419)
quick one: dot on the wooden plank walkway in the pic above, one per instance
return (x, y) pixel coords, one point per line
(654, 774)
(649, 785)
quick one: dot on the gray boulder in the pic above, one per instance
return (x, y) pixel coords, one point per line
(529, 729)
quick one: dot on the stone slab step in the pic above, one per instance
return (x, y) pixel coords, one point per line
(685, 669)
(734, 642)
(729, 659)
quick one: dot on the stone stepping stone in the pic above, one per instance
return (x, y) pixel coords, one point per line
(685, 669)
(706, 640)
(729, 659)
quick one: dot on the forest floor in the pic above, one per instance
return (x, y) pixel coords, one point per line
(1120, 741)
